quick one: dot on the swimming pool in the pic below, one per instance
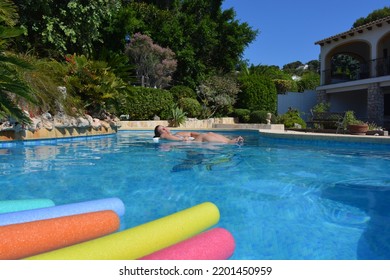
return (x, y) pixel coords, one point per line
(281, 199)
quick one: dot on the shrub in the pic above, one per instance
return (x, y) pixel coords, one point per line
(180, 92)
(44, 80)
(218, 94)
(283, 86)
(291, 118)
(191, 106)
(93, 82)
(243, 115)
(308, 81)
(350, 119)
(258, 117)
(258, 92)
(142, 103)
(321, 107)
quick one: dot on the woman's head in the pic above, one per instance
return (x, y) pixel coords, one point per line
(157, 133)
(160, 129)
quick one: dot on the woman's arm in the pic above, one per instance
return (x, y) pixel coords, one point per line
(188, 133)
(171, 137)
(194, 134)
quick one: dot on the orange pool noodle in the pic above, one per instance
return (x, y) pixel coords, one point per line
(214, 244)
(31, 238)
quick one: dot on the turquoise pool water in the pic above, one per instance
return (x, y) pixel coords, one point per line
(281, 199)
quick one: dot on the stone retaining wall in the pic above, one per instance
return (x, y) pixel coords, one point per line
(256, 126)
(43, 133)
(194, 124)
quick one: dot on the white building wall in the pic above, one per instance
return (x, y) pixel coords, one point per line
(372, 37)
(303, 101)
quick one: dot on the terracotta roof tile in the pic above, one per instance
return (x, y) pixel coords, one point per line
(353, 30)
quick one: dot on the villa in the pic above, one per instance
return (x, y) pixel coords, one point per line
(363, 84)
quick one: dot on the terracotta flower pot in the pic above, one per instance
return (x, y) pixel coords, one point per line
(358, 129)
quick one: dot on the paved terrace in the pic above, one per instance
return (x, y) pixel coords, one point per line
(272, 130)
(289, 134)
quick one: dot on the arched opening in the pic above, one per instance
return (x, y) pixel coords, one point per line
(348, 62)
(348, 67)
(382, 63)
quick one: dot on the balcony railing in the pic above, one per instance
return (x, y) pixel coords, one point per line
(356, 72)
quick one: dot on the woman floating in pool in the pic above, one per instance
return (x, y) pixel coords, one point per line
(164, 133)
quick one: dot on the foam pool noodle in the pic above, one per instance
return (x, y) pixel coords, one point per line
(7, 206)
(214, 244)
(141, 240)
(114, 204)
(31, 238)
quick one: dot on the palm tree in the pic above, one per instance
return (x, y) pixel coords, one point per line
(12, 87)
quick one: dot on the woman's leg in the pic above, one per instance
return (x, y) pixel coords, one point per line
(218, 138)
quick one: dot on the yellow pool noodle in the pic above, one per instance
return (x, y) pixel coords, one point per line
(141, 240)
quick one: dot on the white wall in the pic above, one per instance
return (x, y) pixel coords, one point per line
(303, 101)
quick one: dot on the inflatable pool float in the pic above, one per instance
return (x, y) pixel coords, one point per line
(141, 240)
(31, 238)
(114, 204)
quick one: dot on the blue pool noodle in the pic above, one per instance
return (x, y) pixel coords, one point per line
(7, 206)
(114, 204)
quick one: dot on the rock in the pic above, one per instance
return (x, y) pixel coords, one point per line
(61, 121)
(36, 124)
(297, 125)
(105, 124)
(6, 126)
(73, 122)
(83, 122)
(18, 127)
(47, 124)
(96, 124)
(90, 119)
(63, 91)
(115, 122)
(47, 116)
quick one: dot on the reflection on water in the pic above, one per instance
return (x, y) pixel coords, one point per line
(372, 197)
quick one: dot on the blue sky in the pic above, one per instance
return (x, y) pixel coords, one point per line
(288, 29)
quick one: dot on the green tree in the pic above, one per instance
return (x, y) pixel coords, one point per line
(375, 15)
(218, 94)
(56, 28)
(283, 80)
(309, 81)
(314, 65)
(12, 88)
(154, 64)
(292, 67)
(205, 39)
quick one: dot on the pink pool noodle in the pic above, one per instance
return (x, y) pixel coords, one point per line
(214, 244)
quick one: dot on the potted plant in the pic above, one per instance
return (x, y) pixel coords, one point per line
(353, 125)
(374, 129)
